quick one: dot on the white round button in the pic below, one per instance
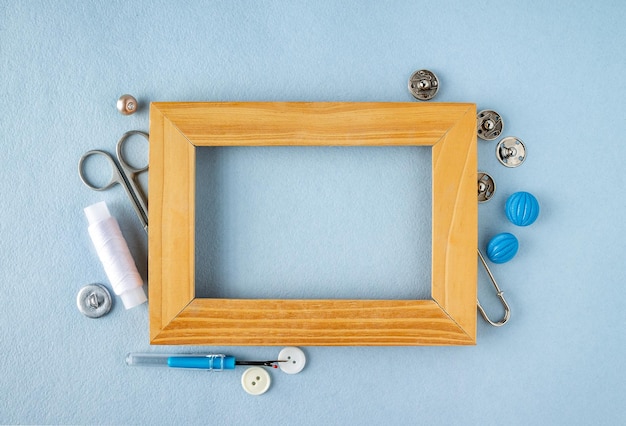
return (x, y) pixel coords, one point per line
(256, 380)
(294, 360)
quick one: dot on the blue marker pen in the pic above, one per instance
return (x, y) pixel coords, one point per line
(209, 362)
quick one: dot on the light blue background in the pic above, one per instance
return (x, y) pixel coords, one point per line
(314, 222)
(554, 71)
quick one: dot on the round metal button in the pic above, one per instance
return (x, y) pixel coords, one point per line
(489, 124)
(486, 187)
(93, 301)
(256, 381)
(423, 85)
(511, 151)
(294, 360)
(127, 104)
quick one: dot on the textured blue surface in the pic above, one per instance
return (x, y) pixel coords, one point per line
(556, 74)
(313, 222)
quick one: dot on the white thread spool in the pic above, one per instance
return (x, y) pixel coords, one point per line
(115, 256)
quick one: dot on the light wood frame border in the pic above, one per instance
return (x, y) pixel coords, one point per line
(177, 317)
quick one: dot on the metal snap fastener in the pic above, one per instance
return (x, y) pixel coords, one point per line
(423, 85)
(486, 187)
(511, 151)
(256, 381)
(93, 301)
(489, 124)
(127, 104)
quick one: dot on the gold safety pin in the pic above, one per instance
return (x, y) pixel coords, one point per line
(500, 293)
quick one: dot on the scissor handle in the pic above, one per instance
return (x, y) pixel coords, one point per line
(140, 202)
(130, 170)
(116, 176)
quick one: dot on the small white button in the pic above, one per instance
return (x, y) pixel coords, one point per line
(256, 380)
(294, 360)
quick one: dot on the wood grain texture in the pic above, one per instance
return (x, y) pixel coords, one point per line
(306, 123)
(455, 222)
(314, 323)
(177, 317)
(171, 265)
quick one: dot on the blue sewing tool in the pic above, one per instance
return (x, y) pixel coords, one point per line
(209, 362)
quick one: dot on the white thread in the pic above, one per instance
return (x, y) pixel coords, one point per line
(115, 256)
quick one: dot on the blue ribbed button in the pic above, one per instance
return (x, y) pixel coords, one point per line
(502, 248)
(522, 208)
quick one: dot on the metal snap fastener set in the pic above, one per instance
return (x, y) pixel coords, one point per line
(510, 151)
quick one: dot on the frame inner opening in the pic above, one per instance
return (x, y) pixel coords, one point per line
(318, 222)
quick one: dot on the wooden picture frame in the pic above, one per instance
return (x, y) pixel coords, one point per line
(177, 317)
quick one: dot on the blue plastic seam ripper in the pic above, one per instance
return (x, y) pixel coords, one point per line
(202, 362)
(209, 362)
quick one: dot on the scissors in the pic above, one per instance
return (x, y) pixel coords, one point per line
(121, 173)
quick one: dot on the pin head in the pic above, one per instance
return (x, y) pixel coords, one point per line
(127, 104)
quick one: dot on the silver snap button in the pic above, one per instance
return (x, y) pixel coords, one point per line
(511, 151)
(93, 301)
(127, 104)
(486, 187)
(423, 85)
(489, 124)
